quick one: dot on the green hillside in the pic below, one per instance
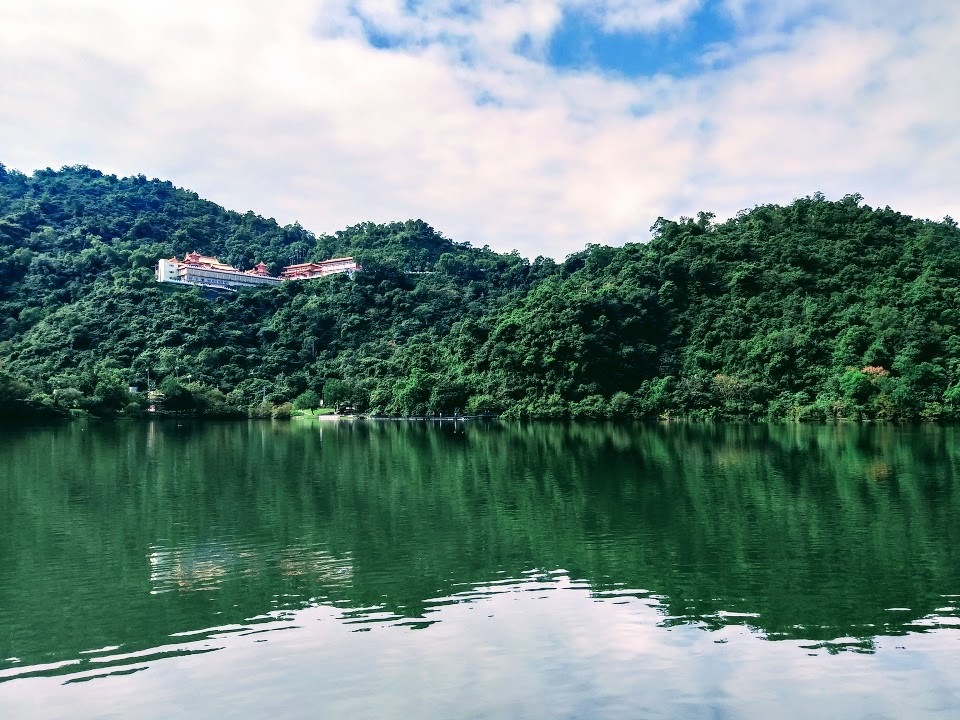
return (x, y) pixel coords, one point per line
(819, 310)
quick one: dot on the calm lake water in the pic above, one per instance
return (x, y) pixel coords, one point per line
(417, 570)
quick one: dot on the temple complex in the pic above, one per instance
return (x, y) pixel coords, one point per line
(197, 269)
(306, 271)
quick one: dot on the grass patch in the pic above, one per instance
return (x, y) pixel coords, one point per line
(314, 412)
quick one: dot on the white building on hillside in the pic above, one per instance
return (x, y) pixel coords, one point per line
(196, 269)
(307, 271)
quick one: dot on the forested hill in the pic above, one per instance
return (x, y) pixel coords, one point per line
(818, 310)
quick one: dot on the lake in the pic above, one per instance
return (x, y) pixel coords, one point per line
(368, 569)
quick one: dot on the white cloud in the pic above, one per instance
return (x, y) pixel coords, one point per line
(293, 114)
(627, 15)
(500, 24)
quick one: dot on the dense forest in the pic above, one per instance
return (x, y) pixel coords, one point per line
(819, 310)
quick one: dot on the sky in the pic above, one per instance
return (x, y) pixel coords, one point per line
(535, 125)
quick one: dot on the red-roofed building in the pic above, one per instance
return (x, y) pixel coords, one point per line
(197, 269)
(306, 271)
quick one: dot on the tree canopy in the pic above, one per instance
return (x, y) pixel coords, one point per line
(818, 310)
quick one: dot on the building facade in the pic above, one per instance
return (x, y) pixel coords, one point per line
(306, 271)
(196, 269)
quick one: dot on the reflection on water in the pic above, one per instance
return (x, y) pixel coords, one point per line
(125, 545)
(205, 567)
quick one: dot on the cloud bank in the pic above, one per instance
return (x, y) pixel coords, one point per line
(338, 111)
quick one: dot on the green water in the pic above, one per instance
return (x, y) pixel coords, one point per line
(393, 569)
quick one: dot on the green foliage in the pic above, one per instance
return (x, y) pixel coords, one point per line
(282, 411)
(818, 310)
(307, 400)
(336, 393)
(176, 397)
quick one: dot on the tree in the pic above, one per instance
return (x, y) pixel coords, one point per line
(176, 397)
(336, 393)
(111, 396)
(308, 400)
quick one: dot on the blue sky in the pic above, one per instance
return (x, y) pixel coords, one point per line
(539, 125)
(580, 42)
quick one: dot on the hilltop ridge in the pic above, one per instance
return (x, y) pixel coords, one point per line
(817, 310)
